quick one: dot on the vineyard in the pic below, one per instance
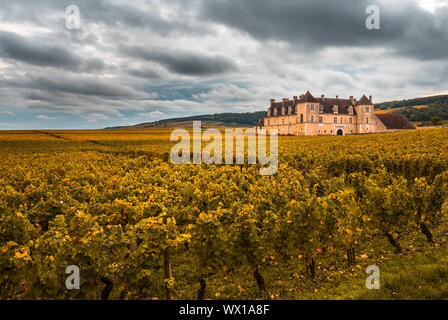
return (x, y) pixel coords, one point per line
(138, 227)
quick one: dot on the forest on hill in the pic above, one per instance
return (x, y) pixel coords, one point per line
(428, 109)
(247, 119)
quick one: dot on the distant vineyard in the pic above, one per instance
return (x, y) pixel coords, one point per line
(112, 203)
(419, 109)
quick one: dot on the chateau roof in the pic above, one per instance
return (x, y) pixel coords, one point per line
(307, 97)
(395, 121)
(327, 103)
(343, 105)
(364, 101)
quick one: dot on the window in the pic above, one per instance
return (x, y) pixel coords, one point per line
(312, 107)
(283, 121)
(283, 111)
(297, 120)
(301, 118)
(350, 120)
(269, 122)
(335, 120)
(367, 109)
(367, 120)
(321, 119)
(289, 110)
(321, 109)
(275, 112)
(350, 110)
(312, 119)
(341, 120)
(335, 109)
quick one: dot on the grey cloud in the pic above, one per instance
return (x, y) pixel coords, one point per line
(16, 47)
(145, 73)
(44, 54)
(90, 86)
(114, 14)
(183, 62)
(316, 24)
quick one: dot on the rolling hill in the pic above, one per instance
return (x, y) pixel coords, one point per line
(217, 120)
(421, 110)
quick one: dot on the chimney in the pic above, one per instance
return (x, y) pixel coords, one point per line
(272, 102)
(295, 98)
(301, 96)
(352, 100)
(370, 98)
(323, 97)
(284, 100)
(337, 97)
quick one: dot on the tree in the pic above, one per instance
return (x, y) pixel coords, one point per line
(436, 121)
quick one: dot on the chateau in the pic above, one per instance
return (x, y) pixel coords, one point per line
(310, 116)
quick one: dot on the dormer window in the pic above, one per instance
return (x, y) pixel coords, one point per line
(335, 109)
(269, 113)
(367, 109)
(350, 110)
(321, 109)
(275, 112)
(283, 111)
(289, 110)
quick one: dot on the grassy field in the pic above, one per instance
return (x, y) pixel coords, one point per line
(82, 196)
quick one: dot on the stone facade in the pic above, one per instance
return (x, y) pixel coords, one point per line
(310, 116)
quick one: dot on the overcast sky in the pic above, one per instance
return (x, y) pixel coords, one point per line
(143, 60)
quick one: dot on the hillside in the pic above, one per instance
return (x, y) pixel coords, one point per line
(418, 110)
(216, 120)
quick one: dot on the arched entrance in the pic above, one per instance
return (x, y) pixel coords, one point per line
(339, 132)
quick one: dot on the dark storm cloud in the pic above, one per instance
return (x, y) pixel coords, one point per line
(144, 73)
(113, 14)
(317, 24)
(133, 17)
(36, 52)
(90, 86)
(15, 47)
(182, 62)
